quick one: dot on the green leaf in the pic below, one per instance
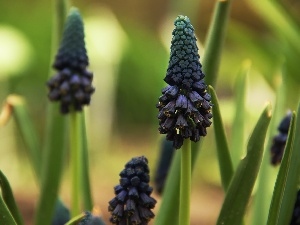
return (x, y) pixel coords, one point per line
(242, 183)
(284, 26)
(54, 152)
(54, 146)
(237, 140)
(279, 190)
(267, 174)
(27, 130)
(5, 216)
(76, 219)
(9, 200)
(169, 208)
(288, 179)
(225, 164)
(214, 41)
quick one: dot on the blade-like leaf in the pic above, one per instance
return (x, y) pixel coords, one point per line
(55, 138)
(27, 130)
(225, 164)
(288, 179)
(168, 212)
(75, 220)
(242, 183)
(52, 166)
(237, 140)
(215, 40)
(9, 200)
(5, 216)
(279, 189)
(267, 174)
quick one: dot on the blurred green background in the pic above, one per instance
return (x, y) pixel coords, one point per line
(128, 44)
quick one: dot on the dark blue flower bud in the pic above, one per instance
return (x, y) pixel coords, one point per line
(145, 213)
(191, 114)
(130, 207)
(73, 79)
(133, 202)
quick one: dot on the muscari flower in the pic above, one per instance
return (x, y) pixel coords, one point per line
(185, 106)
(132, 203)
(72, 85)
(279, 140)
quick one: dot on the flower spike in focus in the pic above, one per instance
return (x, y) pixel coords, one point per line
(72, 85)
(133, 204)
(185, 106)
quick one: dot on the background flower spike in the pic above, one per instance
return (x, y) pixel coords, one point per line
(279, 141)
(184, 107)
(72, 85)
(133, 202)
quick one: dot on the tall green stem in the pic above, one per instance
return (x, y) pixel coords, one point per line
(76, 148)
(185, 184)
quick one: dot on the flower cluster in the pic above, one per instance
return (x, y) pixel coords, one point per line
(279, 140)
(185, 106)
(72, 85)
(133, 204)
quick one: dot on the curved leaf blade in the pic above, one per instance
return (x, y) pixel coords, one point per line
(242, 183)
(225, 163)
(288, 178)
(5, 216)
(9, 200)
(237, 140)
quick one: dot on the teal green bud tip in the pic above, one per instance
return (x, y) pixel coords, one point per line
(72, 52)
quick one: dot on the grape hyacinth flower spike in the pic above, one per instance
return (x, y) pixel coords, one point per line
(279, 141)
(72, 85)
(133, 204)
(185, 106)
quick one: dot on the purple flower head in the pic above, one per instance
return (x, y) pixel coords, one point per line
(133, 201)
(72, 85)
(184, 107)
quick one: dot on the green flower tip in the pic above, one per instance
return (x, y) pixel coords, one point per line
(72, 85)
(181, 18)
(72, 50)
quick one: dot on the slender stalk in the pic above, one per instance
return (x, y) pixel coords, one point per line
(76, 149)
(85, 176)
(185, 184)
